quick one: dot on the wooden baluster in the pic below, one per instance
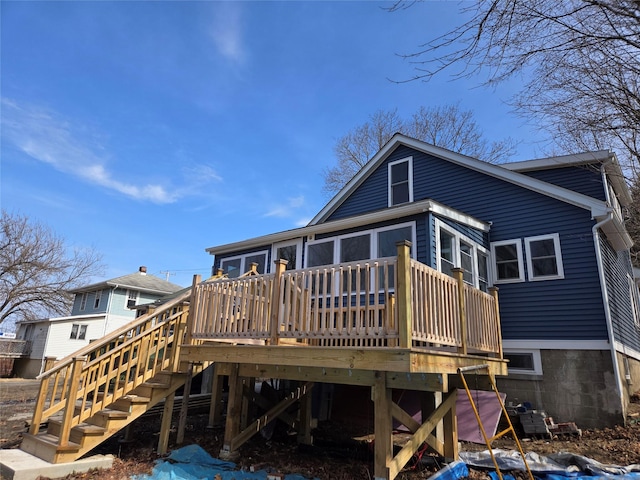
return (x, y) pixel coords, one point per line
(191, 320)
(403, 293)
(69, 408)
(458, 274)
(281, 266)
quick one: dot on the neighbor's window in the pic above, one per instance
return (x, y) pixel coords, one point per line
(83, 301)
(507, 257)
(132, 298)
(634, 293)
(544, 260)
(400, 181)
(78, 332)
(96, 302)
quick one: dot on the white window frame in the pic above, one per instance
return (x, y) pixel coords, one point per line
(83, 301)
(634, 294)
(80, 331)
(494, 268)
(535, 355)
(460, 237)
(298, 244)
(243, 259)
(97, 299)
(409, 161)
(558, 255)
(131, 295)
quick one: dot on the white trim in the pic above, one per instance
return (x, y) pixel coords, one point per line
(557, 344)
(494, 268)
(628, 351)
(409, 161)
(558, 254)
(287, 243)
(415, 208)
(597, 208)
(535, 356)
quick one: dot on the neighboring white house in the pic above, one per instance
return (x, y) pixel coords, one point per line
(97, 309)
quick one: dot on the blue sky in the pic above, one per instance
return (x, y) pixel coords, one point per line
(150, 131)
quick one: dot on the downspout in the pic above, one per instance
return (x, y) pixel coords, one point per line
(603, 284)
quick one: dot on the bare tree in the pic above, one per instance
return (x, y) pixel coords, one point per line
(37, 270)
(445, 126)
(581, 59)
(632, 221)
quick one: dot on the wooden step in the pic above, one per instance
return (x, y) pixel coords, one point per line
(78, 433)
(126, 403)
(45, 446)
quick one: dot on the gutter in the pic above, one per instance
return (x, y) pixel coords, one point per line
(605, 301)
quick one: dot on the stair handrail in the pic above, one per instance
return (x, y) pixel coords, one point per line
(58, 370)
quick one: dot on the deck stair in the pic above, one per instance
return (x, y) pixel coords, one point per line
(88, 397)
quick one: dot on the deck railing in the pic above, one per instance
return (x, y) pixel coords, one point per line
(387, 302)
(110, 368)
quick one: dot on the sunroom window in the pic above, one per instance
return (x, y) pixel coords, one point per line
(238, 265)
(456, 250)
(400, 182)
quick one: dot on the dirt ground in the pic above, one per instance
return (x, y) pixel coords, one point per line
(335, 454)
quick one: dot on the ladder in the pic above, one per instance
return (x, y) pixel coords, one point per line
(509, 429)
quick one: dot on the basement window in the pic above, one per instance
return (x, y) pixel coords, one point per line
(524, 361)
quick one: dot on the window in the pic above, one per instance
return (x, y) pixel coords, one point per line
(83, 301)
(78, 332)
(96, 302)
(236, 266)
(289, 251)
(320, 253)
(634, 293)
(457, 250)
(401, 181)
(544, 261)
(132, 298)
(507, 257)
(524, 361)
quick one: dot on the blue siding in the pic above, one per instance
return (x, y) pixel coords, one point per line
(570, 308)
(583, 179)
(617, 267)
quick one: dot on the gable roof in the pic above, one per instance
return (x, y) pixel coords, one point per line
(598, 208)
(139, 281)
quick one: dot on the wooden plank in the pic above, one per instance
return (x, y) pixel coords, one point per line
(420, 436)
(165, 427)
(234, 407)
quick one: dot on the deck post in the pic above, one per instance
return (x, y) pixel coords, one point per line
(304, 428)
(70, 406)
(458, 274)
(215, 409)
(184, 408)
(493, 291)
(274, 318)
(403, 293)
(191, 320)
(383, 452)
(165, 428)
(234, 408)
(451, 431)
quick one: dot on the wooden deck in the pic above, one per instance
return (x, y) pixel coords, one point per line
(389, 323)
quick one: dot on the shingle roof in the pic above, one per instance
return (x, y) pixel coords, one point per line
(136, 281)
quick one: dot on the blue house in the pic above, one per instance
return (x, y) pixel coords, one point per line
(97, 310)
(549, 233)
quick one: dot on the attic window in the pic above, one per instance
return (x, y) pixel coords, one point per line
(401, 181)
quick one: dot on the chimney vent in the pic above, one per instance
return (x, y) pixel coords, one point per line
(143, 270)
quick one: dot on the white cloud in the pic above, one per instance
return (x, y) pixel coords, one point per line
(226, 30)
(287, 209)
(46, 137)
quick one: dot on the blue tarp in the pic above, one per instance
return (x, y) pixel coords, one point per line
(557, 466)
(194, 463)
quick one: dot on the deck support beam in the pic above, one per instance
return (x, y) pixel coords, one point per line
(165, 427)
(215, 409)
